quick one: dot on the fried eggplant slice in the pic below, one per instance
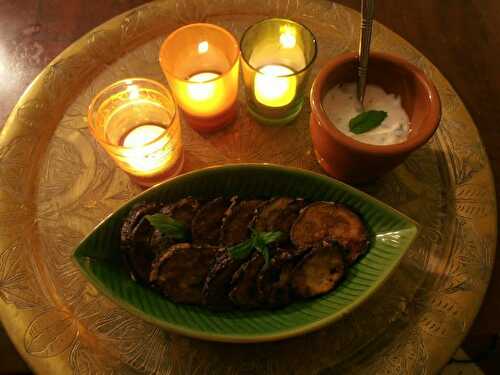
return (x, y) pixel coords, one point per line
(236, 223)
(134, 217)
(273, 283)
(319, 271)
(180, 272)
(279, 214)
(135, 236)
(218, 282)
(207, 222)
(328, 221)
(183, 211)
(244, 291)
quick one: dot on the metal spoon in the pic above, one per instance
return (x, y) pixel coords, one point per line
(367, 10)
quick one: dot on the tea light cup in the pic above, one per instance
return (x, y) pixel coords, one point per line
(277, 55)
(137, 123)
(201, 64)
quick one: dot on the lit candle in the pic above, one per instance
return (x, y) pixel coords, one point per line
(142, 135)
(137, 123)
(203, 94)
(144, 155)
(201, 64)
(275, 85)
(276, 56)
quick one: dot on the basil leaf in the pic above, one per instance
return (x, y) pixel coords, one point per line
(242, 250)
(366, 121)
(269, 237)
(258, 241)
(261, 247)
(265, 254)
(167, 226)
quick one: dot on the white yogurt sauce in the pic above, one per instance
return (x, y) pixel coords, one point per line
(341, 105)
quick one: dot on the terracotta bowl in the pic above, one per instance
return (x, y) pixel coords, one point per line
(352, 161)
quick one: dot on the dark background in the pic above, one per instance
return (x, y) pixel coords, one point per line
(461, 37)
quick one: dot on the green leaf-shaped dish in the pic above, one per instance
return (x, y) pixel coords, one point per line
(98, 256)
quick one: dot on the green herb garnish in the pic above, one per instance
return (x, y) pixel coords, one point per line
(168, 227)
(258, 241)
(366, 121)
(242, 250)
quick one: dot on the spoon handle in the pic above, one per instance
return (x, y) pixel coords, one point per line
(368, 8)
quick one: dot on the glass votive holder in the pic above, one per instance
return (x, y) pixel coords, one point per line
(201, 64)
(137, 123)
(277, 56)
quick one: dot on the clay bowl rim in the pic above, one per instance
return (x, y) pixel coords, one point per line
(412, 143)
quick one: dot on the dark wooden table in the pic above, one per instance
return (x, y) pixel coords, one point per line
(459, 36)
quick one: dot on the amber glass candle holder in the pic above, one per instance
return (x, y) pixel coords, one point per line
(277, 55)
(136, 121)
(201, 64)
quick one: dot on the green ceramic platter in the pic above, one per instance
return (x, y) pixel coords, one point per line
(98, 255)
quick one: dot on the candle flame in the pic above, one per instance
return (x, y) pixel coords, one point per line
(288, 36)
(203, 47)
(133, 92)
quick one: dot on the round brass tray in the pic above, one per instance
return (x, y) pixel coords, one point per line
(56, 184)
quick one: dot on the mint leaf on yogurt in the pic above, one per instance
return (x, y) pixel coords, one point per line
(366, 121)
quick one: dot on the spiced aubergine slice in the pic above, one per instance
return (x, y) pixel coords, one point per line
(135, 215)
(236, 223)
(319, 271)
(273, 282)
(279, 214)
(207, 222)
(244, 291)
(329, 221)
(180, 272)
(182, 211)
(135, 236)
(218, 282)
